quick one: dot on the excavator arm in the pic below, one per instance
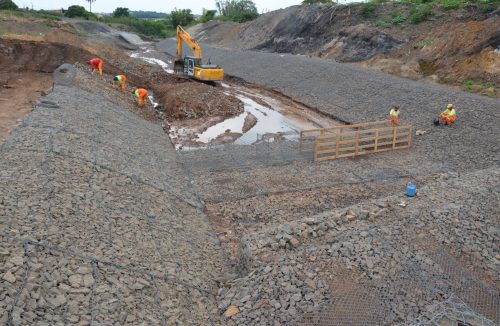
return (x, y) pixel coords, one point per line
(182, 35)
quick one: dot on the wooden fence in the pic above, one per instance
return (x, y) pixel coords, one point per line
(354, 140)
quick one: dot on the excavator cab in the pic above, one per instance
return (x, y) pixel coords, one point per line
(193, 66)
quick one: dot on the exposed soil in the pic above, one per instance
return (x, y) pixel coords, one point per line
(18, 93)
(455, 47)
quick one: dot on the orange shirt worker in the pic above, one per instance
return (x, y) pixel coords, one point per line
(120, 80)
(96, 64)
(141, 95)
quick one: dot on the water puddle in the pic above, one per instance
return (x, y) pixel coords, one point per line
(146, 54)
(265, 117)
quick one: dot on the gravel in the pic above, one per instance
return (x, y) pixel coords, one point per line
(100, 223)
(354, 95)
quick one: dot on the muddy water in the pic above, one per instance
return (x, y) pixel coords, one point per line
(146, 53)
(277, 117)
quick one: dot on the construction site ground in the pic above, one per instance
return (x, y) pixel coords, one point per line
(104, 222)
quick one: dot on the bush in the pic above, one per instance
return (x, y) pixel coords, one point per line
(397, 18)
(182, 17)
(121, 12)
(75, 11)
(207, 16)
(7, 5)
(418, 15)
(308, 2)
(382, 23)
(368, 9)
(237, 10)
(451, 4)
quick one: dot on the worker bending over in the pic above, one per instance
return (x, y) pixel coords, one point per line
(394, 116)
(449, 115)
(96, 64)
(120, 81)
(141, 95)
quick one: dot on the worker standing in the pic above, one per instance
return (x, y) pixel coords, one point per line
(449, 115)
(96, 64)
(394, 116)
(120, 81)
(141, 95)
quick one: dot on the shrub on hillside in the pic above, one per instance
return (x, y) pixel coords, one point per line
(368, 9)
(308, 2)
(237, 10)
(75, 11)
(208, 15)
(420, 14)
(7, 5)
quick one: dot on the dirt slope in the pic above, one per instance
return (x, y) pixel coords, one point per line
(458, 47)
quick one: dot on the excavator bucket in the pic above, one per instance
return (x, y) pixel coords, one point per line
(179, 67)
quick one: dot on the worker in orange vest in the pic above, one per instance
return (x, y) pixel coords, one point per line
(96, 64)
(141, 95)
(394, 116)
(120, 81)
(449, 115)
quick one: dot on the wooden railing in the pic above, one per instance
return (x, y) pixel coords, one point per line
(354, 140)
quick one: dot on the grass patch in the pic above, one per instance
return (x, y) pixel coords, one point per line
(147, 27)
(451, 4)
(368, 9)
(420, 14)
(382, 23)
(423, 43)
(397, 18)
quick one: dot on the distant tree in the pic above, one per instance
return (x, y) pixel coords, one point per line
(7, 5)
(181, 17)
(208, 15)
(237, 10)
(90, 3)
(76, 11)
(308, 2)
(121, 12)
(148, 14)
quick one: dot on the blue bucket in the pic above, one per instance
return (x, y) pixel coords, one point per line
(411, 190)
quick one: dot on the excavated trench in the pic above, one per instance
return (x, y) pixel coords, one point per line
(255, 113)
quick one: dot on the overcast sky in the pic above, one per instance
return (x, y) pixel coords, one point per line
(196, 6)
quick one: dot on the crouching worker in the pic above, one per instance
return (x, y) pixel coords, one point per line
(96, 64)
(141, 95)
(394, 116)
(120, 81)
(449, 115)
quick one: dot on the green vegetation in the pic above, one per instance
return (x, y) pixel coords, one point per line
(308, 2)
(423, 43)
(475, 86)
(397, 18)
(182, 17)
(368, 9)
(382, 23)
(208, 15)
(237, 10)
(7, 5)
(420, 14)
(121, 12)
(79, 12)
(146, 27)
(148, 14)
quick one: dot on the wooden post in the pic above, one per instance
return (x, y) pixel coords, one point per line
(410, 135)
(337, 145)
(394, 137)
(357, 142)
(376, 140)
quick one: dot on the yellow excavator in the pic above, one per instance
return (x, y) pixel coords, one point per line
(192, 66)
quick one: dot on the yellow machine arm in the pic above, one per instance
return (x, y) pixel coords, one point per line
(182, 35)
